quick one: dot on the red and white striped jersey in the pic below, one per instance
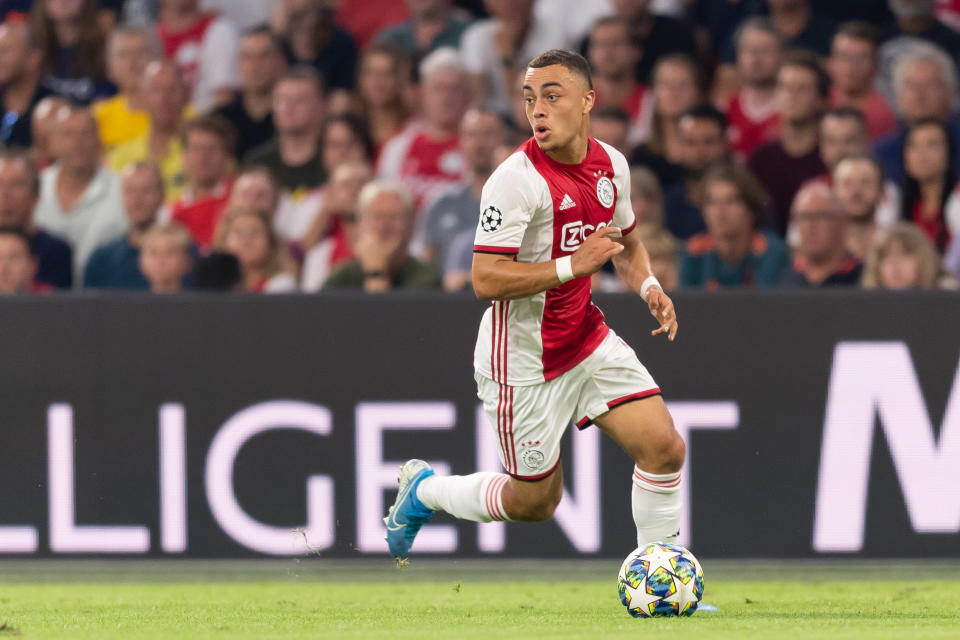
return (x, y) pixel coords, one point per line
(537, 209)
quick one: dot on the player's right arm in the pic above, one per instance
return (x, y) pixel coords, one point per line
(500, 277)
(511, 199)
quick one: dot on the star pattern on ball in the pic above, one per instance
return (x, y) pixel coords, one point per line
(686, 593)
(639, 598)
(659, 557)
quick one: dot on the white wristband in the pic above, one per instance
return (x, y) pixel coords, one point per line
(645, 287)
(565, 268)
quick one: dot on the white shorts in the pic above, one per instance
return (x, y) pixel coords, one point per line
(531, 420)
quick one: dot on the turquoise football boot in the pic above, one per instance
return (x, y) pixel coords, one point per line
(407, 514)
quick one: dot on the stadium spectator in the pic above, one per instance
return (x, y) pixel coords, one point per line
(703, 139)
(903, 257)
(263, 258)
(384, 229)
(925, 86)
(664, 254)
(293, 155)
(344, 137)
(19, 191)
(116, 264)
(456, 211)
(613, 60)
(752, 112)
(205, 47)
(800, 26)
(495, 50)
(20, 87)
(165, 258)
(426, 156)
(17, 266)
(733, 252)
(313, 39)
(646, 198)
(208, 144)
(329, 241)
(611, 125)
(859, 186)
(783, 165)
(930, 174)
(122, 117)
(821, 259)
(853, 66)
(676, 88)
(382, 86)
(255, 188)
(260, 63)
(715, 25)
(73, 48)
(42, 123)
(915, 20)
(164, 99)
(658, 35)
(432, 24)
(79, 198)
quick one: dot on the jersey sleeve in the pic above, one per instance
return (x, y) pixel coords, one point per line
(623, 211)
(507, 204)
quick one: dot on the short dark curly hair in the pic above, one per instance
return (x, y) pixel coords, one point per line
(568, 59)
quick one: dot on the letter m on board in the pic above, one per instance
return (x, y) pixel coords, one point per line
(877, 380)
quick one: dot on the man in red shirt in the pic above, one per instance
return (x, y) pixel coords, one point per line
(752, 114)
(426, 156)
(853, 65)
(208, 144)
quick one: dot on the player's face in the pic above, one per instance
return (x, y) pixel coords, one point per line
(557, 102)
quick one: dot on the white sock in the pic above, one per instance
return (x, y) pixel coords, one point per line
(474, 497)
(656, 506)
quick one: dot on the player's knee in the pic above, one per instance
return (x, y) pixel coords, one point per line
(665, 456)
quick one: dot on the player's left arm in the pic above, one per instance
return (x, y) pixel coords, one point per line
(633, 265)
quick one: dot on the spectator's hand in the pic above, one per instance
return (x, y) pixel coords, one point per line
(595, 251)
(661, 306)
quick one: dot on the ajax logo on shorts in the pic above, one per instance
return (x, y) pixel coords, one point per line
(605, 191)
(533, 458)
(491, 219)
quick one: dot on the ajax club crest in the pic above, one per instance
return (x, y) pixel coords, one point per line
(605, 191)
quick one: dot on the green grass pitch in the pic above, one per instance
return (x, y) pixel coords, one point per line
(312, 598)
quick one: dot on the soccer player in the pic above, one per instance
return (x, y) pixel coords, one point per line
(552, 214)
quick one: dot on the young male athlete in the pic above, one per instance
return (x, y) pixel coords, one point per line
(552, 214)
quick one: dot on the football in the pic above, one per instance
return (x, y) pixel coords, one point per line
(660, 579)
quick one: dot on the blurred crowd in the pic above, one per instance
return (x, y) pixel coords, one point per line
(306, 145)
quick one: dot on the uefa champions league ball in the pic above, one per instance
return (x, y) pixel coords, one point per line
(660, 579)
